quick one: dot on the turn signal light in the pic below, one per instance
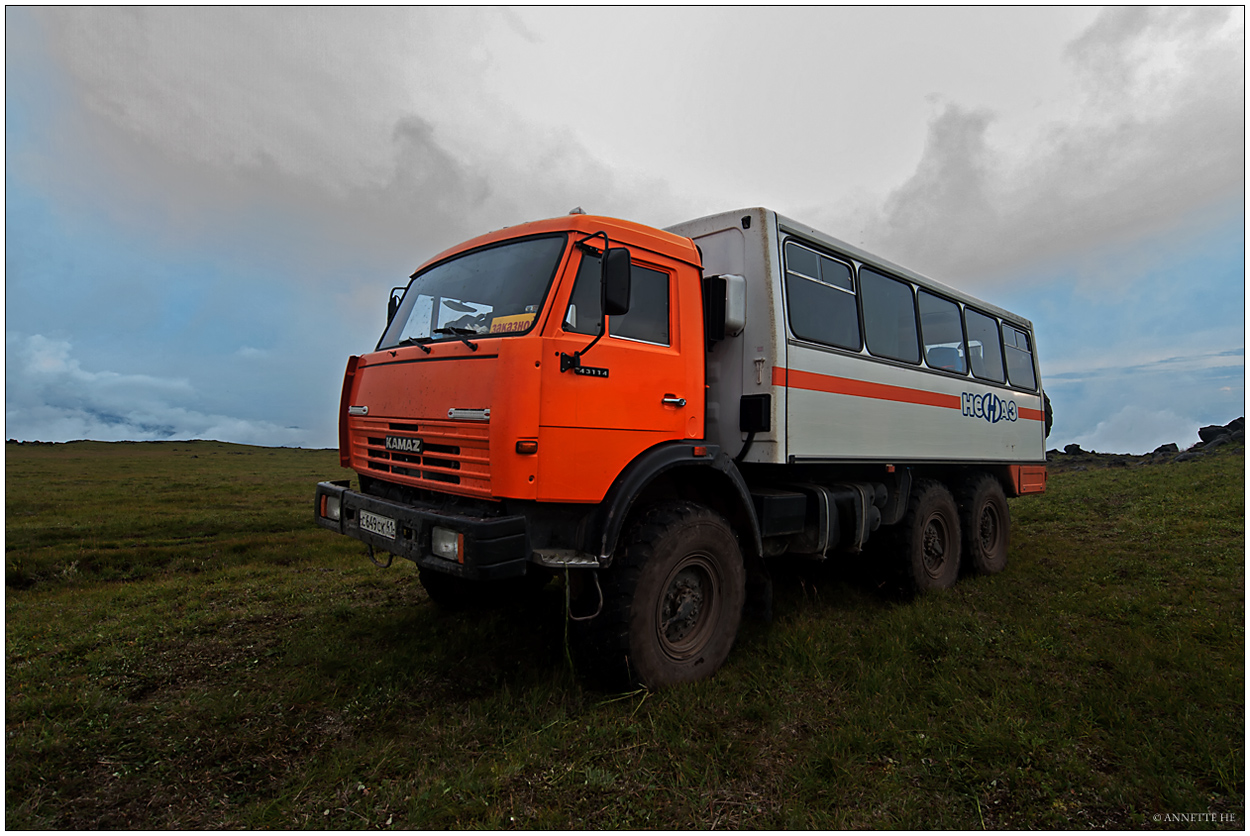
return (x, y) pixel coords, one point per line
(527, 448)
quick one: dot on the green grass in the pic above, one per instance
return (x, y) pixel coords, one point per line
(185, 649)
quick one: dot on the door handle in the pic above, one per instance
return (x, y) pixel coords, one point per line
(672, 401)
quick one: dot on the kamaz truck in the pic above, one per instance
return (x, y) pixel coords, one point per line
(656, 415)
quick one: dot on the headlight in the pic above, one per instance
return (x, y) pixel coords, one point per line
(331, 507)
(447, 544)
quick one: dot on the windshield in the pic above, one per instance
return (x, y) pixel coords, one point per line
(494, 292)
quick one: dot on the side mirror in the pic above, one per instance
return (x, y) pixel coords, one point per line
(615, 281)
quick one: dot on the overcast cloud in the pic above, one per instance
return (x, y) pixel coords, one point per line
(1155, 132)
(206, 207)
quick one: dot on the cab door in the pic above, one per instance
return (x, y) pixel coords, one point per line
(640, 385)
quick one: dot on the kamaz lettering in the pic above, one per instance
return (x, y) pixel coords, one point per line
(990, 407)
(399, 444)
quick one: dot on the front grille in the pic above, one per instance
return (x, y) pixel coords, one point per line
(454, 457)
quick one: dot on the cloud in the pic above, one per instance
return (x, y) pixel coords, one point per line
(49, 396)
(1163, 364)
(1155, 133)
(1139, 431)
(335, 141)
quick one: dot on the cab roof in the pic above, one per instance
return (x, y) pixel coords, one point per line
(625, 233)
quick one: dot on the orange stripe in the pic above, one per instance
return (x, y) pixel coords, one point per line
(881, 391)
(861, 388)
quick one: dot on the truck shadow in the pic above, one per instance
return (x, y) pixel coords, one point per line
(408, 641)
(402, 639)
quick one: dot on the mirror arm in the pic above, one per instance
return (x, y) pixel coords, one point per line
(574, 360)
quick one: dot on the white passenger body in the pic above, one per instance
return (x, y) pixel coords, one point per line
(830, 404)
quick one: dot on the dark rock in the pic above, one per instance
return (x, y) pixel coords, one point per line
(1117, 463)
(1209, 434)
(1238, 435)
(1073, 449)
(1236, 425)
(1217, 441)
(1167, 448)
(1188, 456)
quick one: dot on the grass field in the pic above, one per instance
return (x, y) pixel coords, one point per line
(185, 649)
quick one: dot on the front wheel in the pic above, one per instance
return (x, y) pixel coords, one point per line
(672, 601)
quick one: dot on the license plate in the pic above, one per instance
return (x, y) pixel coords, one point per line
(382, 526)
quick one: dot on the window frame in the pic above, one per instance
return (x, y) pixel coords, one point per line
(963, 333)
(915, 316)
(634, 263)
(853, 293)
(406, 312)
(998, 330)
(1031, 352)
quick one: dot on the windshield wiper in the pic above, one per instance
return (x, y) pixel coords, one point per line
(417, 341)
(461, 334)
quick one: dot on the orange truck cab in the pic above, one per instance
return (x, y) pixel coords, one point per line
(585, 397)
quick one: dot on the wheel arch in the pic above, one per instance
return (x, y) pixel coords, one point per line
(675, 470)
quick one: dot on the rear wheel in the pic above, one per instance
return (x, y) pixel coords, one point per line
(672, 601)
(929, 539)
(986, 525)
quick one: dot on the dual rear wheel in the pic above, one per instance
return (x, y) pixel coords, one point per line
(938, 536)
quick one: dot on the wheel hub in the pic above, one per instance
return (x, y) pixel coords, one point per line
(989, 529)
(934, 547)
(683, 603)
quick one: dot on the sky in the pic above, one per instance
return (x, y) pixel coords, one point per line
(205, 209)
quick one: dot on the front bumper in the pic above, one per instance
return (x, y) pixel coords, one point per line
(488, 548)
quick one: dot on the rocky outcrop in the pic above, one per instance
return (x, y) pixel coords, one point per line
(1215, 436)
(1211, 438)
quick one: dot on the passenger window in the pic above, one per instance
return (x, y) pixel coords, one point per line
(820, 294)
(943, 333)
(889, 317)
(985, 353)
(1019, 358)
(647, 319)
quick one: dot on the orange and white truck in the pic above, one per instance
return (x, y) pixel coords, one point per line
(654, 415)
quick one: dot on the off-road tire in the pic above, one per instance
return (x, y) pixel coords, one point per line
(986, 523)
(672, 601)
(453, 594)
(927, 539)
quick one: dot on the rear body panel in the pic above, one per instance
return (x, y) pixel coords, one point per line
(836, 405)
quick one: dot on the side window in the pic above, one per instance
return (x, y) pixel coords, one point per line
(942, 332)
(820, 294)
(889, 317)
(1019, 358)
(985, 353)
(647, 319)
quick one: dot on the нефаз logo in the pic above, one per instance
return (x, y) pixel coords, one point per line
(990, 407)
